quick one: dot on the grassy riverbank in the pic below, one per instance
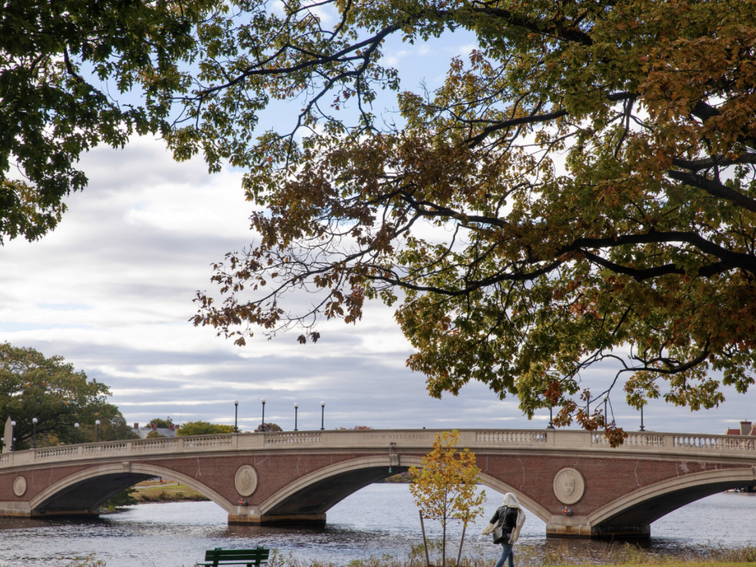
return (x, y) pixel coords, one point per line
(625, 555)
(167, 493)
(152, 491)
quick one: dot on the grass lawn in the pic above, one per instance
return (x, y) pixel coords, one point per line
(169, 491)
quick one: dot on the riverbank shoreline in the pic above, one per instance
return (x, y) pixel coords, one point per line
(627, 556)
(376, 522)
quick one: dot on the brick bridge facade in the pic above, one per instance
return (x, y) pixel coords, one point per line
(295, 477)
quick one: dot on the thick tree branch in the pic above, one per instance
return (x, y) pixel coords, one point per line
(317, 61)
(651, 273)
(559, 30)
(715, 188)
(714, 161)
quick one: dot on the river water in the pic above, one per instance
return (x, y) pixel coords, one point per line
(379, 519)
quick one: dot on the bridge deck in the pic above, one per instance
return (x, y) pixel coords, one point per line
(645, 443)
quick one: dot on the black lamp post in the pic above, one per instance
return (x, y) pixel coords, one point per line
(606, 416)
(13, 434)
(322, 416)
(97, 430)
(551, 417)
(76, 434)
(263, 415)
(236, 413)
(642, 428)
(34, 435)
(296, 409)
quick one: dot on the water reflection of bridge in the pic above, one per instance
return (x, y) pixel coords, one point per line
(297, 476)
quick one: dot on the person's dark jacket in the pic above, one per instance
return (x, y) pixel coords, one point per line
(508, 517)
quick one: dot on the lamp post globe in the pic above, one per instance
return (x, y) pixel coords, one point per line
(76, 434)
(97, 430)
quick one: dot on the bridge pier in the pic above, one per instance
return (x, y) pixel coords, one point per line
(277, 520)
(580, 527)
(22, 510)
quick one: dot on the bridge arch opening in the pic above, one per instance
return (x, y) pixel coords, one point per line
(643, 507)
(310, 497)
(84, 492)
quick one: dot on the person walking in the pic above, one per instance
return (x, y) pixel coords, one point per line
(509, 517)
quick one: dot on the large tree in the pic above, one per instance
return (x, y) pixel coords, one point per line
(581, 189)
(61, 64)
(204, 428)
(32, 385)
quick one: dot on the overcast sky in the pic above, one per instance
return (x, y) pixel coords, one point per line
(111, 291)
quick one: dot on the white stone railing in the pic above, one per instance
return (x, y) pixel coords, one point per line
(160, 444)
(293, 438)
(717, 443)
(53, 452)
(208, 441)
(111, 447)
(633, 439)
(511, 437)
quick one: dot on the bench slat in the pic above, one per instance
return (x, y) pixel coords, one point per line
(220, 556)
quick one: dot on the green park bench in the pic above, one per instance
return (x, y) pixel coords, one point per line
(248, 557)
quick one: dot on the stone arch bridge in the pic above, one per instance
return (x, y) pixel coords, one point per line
(295, 477)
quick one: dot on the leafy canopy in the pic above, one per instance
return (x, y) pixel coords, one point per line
(581, 189)
(60, 65)
(204, 428)
(49, 389)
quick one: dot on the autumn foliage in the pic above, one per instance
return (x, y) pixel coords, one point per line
(444, 487)
(580, 190)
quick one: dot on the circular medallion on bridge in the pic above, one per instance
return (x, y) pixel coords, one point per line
(19, 486)
(569, 486)
(245, 480)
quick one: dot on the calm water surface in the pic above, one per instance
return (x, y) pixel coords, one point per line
(380, 519)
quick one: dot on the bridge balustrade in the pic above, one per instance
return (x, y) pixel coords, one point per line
(632, 440)
(718, 443)
(53, 452)
(208, 441)
(155, 444)
(297, 438)
(512, 437)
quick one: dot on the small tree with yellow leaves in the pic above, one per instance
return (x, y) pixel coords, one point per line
(444, 487)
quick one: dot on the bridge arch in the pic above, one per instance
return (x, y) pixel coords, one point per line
(527, 502)
(644, 506)
(88, 489)
(314, 494)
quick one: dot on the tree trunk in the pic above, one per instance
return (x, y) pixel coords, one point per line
(443, 546)
(425, 541)
(443, 539)
(461, 542)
